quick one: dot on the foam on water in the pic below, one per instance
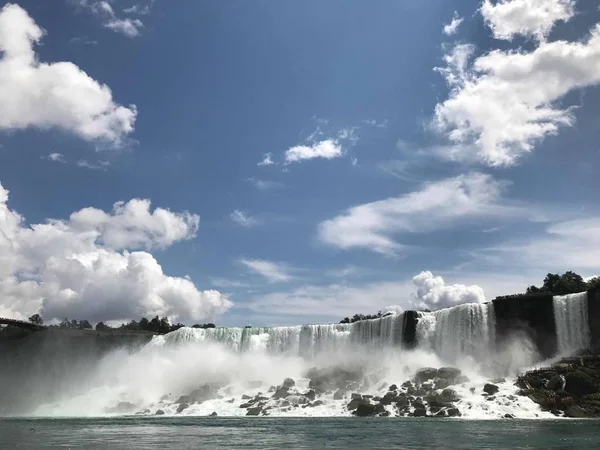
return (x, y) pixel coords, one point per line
(572, 325)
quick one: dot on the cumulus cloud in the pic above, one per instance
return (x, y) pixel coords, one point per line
(266, 161)
(452, 27)
(530, 18)
(56, 157)
(327, 149)
(273, 272)
(433, 293)
(90, 266)
(243, 219)
(501, 104)
(52, 95)
(130, 27)
(372, 226)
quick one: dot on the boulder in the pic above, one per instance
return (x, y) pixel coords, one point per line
(280, 393)
(317, 403)
(449, 373)
(419, 412)
(579, 383)
(389, 398)
(407, 384)
(254, 411)
(556, 383)
(393, 387)
(436, 400)
(508, 416)
(355, 403)
(490, 389)
(246, 397)
(159, 412)
(453, 412)
(181, 407)
(288, 383)
(364, 409)
(576, 412)
(427, 373)
(441, 383)
(355, 396)
(213, 414)
(449, 395)
(311, 395)
(402, 401)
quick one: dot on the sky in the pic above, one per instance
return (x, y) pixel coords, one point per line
(280, 163)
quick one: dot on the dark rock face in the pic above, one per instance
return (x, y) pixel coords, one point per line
(409, 329)
(311, 395)
(490, 389)
(580, 383)
(181, 407)
(419, 412)
(364, 409)
(288, 383)
(594, 317)
(254, 411)
(159, 412)
(425, 374)
(281, 393)
(213, 414)
(556, 383)
(532, 315)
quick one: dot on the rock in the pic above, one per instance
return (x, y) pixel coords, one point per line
(247, 405)
(213, 414)
(441, 383)
(280, 393)
(246, 397)
(182, 407)
(427, 387)
(576, 412)
(418, 404)
(453, 412)
(389, 398)
(203, 393)
(450, 395)
(462, 379)
(407, 384)
(437, 401)
(159, 412)
(508, 416)
(490, 389)
(472, 389)
(367, 397)
(317, 403)
(311, 395)
(354, 404)
(393, 387)
(556, 412)
(402, 401)
(288, 383)
(339, 394)
(449, 373)
(364, 409)
(498, 380)
(355, 396)
(428, 373)
(556, 383)
(419, 412)
(579, 383)
(254, 411)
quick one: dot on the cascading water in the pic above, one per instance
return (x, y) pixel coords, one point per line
(572, 325)
(463, 330)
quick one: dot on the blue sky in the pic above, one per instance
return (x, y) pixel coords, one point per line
(306, 159)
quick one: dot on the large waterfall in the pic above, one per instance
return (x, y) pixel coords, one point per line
(306, 340)
(463, 330)
(572, 326)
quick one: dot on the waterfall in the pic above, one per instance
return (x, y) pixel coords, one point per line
(304, 340)
(571, 318)
(463, 330)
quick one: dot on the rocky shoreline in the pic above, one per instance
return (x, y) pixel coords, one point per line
(568, 388)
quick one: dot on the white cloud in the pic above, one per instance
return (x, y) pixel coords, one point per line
(56, 157)
(243, 219)
(535, 18)
(127, 26)
(327, 149)
(567, 245)
(99, 165)
(504, 102)
(441, 204)
(266, 161)
(354, 161)
(452, 27)
(375, 123)
(73, 268)
(52, 95)
(265, 185)
(273, 272)
(433, 293)
(139, 9)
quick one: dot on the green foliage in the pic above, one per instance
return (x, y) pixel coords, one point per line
(567, 283)
(101, 326)
(593, 283)
(204, 325)
(36, 319)
(359, 317)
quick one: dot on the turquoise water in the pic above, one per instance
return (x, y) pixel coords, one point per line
(297, 433)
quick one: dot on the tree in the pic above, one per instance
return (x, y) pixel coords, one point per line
(593, 282)
(555, 284)
(101, 326)
(36, 319)
(85, 325)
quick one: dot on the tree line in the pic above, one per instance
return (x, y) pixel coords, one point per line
(155, 325)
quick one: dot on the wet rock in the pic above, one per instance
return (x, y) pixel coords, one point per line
(181, 407)
(508, 416)
(402, 401)
(450, 395)
(376, 398)
(449, 373)
(297, 399)
(427, 387)
(453, 412)
(364, 409)
(579, 383)
(213, 414)
(272, 389)
(159, 412)
(472, 389)
(427, 373)
(490, 389)
(311, 395)
(418, 404)
(441, 383)
(247, 405)
(576, 412)
(498, 380)
(556, 412)
(254, 411)
(281, 393)
(288, 383)
(389, 398)
(355, 402)
(317, 403)
(231, 400)
(339, 394)
(393, 387)
(462, 379)
(407, 384)
(355, 396)
(246, 397)
(419, 412)
(436, 400)
(556, 383)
